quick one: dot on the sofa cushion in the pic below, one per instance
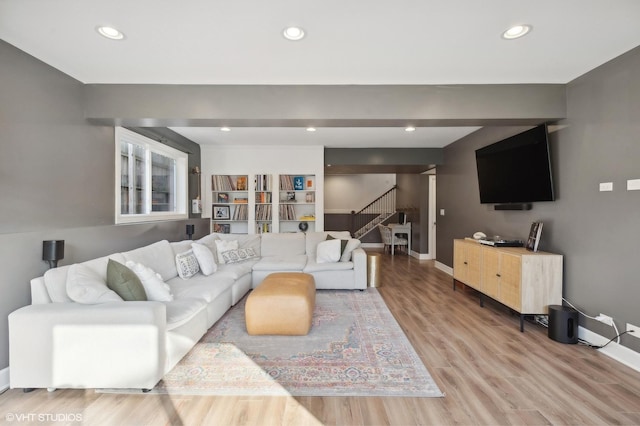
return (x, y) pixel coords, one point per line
(180, 246)
(236, 270)
(201, 287)
(179, 312)
(85, 286)
(124, 282)
(245, 241)
(55, 281)
(284, 245)
(187, 264)
(313, 266)
(157, 256)
(152, 282)
(205, 258)
(281, 263)
(328, 251)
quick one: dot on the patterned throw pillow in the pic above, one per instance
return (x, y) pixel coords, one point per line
(187, 264)
(238, 255)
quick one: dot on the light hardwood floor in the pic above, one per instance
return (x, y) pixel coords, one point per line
(490, 372)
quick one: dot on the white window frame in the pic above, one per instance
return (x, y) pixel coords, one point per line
(149, 145)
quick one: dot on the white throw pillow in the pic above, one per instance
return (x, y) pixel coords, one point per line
(87, 287)
(328, 251)
(205, 258)
(239, 255)
(222, 245)
(187, 264)
(152, 282)
(352, 244)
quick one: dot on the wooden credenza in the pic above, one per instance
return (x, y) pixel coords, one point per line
(525, 281)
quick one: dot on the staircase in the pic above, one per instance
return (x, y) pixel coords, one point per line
(379, 210)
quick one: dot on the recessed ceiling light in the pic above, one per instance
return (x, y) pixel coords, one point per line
(516, 31)
(311, 129)
(225, 129)
(110, 33)
(409, 129)
(293, 33)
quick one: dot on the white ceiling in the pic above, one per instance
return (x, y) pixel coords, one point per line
(348, 42)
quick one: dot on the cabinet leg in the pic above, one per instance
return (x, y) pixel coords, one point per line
(521, 323)
(454, 284)
(481, 301)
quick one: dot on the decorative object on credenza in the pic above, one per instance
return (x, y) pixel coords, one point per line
(196, 204)
(190, 230)
(52, 251)
(303, 226)
(534, 236)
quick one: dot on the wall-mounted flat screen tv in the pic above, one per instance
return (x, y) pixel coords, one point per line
(516, 169)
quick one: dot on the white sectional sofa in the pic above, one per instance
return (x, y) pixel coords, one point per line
(58, 342)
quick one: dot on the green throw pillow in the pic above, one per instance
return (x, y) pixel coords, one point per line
(124, 282)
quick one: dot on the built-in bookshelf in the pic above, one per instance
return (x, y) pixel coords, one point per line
(263, 203)
(260, 203)
(297, 202)
(230, 204)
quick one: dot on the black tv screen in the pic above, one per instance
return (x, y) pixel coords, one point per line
(516, 169)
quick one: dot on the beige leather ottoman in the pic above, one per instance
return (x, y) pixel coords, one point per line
(282, 304)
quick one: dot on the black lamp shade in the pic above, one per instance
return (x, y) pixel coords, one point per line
(52, 251)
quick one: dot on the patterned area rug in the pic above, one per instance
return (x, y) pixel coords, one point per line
(355, 348)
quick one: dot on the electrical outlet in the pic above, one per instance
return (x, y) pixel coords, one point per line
(634, 330)
(606, 319)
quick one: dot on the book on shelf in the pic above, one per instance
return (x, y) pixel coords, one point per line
(223, 183)
(263, 212)
(241, 200)
(222, 228)
(263, 182)
(240, 212)
(534, 236)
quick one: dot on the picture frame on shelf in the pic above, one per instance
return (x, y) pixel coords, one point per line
(289, 197)
(223, 197)
(534, 237)
(221, 212)
(222, 228)
(298, 183)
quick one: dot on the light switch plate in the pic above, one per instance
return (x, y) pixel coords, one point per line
(606, 186)
(633, 185)
(441, 212)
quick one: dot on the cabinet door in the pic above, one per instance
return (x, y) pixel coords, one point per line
(459, 261)
(510, 278)
(474, 264)
(491, 273)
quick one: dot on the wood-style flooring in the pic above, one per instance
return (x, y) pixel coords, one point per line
(490, 372)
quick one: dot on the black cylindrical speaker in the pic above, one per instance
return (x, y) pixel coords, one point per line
(563, 324)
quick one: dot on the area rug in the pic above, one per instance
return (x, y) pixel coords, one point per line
(355, 348)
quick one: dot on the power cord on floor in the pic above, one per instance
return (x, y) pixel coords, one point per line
(613, 324)
(585, 343)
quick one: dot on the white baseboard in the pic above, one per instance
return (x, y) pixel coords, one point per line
(444, 268)
(620, 353)
(421, 256)
(4, 379)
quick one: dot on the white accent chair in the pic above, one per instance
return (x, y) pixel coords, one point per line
(389, 239)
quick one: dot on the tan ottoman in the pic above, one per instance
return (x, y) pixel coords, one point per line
(282, 304)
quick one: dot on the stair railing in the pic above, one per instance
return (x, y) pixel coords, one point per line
(374, 213)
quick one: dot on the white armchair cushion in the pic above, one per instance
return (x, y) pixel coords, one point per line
(205, 258)
(328, 251)
(87, 287)
(155, 287)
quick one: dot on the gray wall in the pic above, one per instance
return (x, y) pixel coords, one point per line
(597, 232)
(56, 181)
(413, 199)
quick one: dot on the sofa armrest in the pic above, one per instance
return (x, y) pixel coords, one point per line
(70, 345)
(359, 259)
